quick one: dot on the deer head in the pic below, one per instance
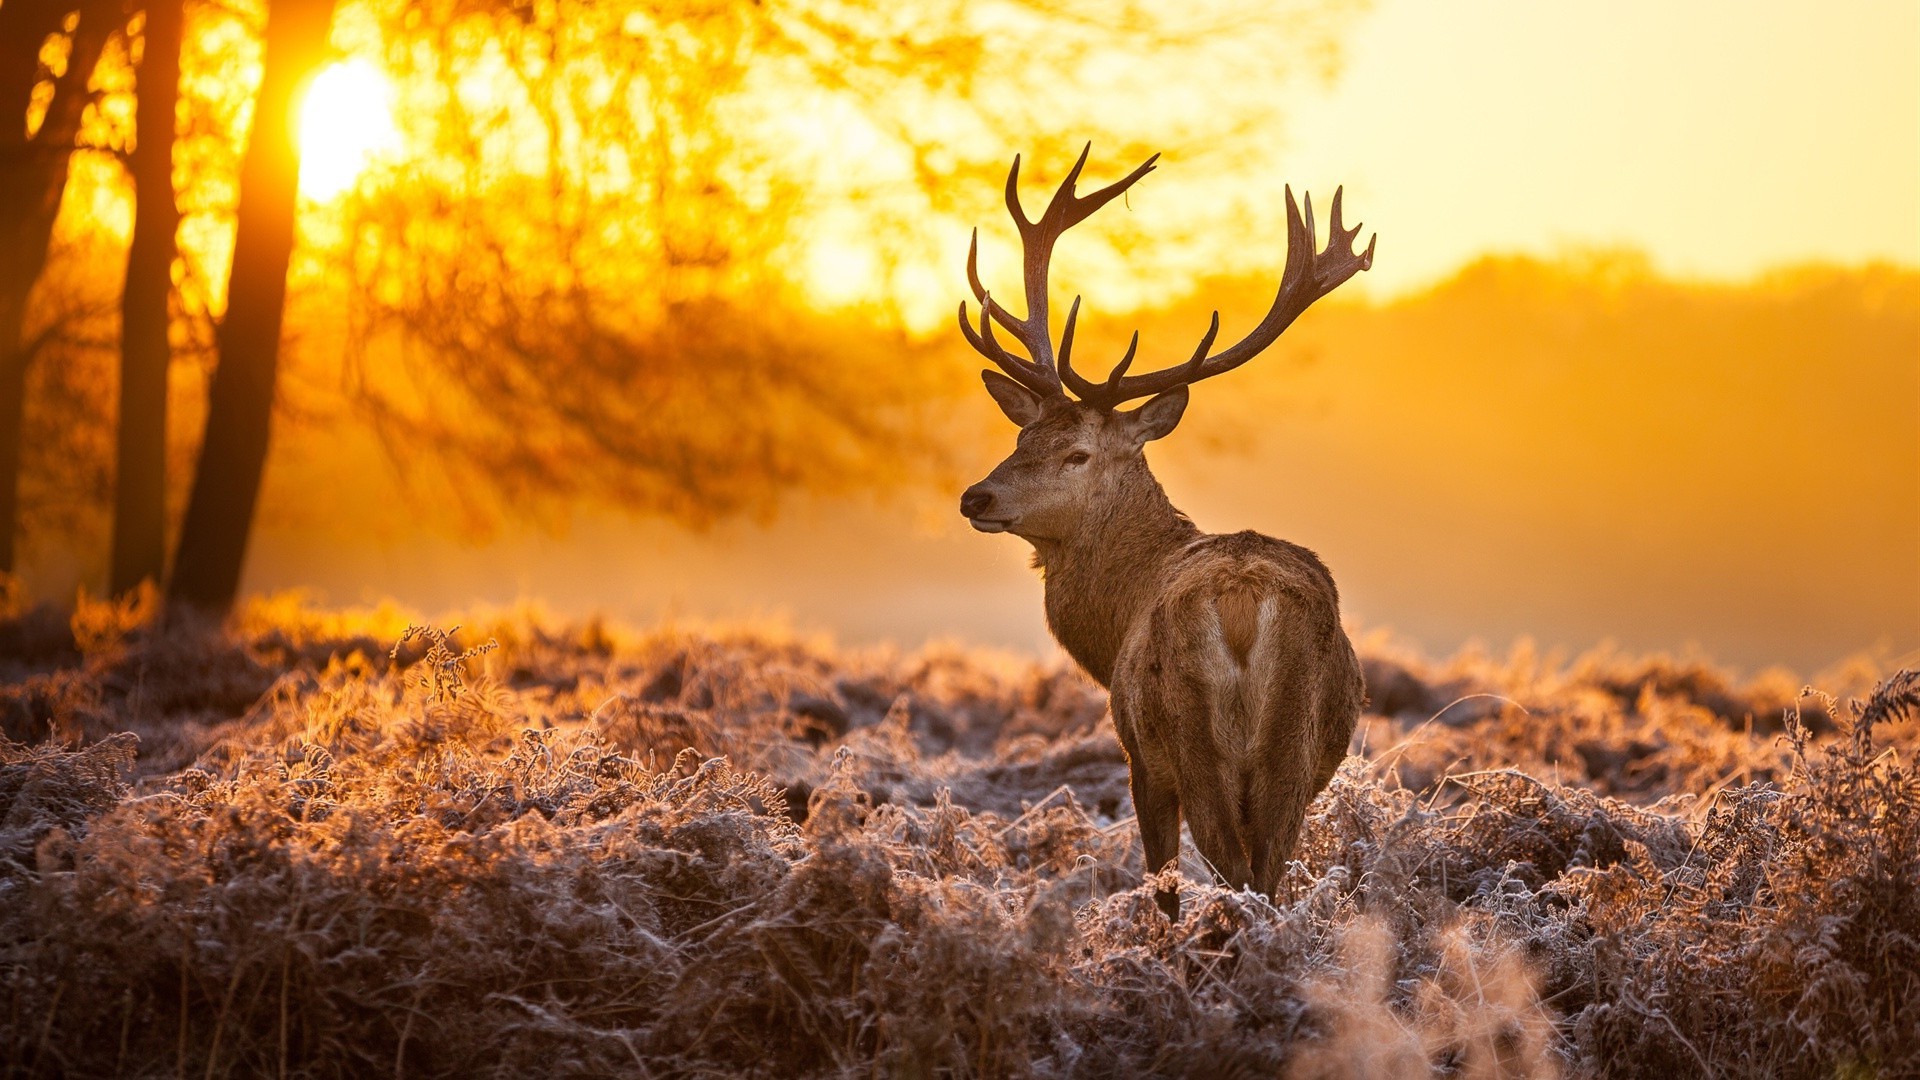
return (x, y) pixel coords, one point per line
(1075, 452)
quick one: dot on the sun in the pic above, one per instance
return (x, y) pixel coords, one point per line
(345, 123)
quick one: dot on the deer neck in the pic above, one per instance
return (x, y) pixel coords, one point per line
(1100, 578)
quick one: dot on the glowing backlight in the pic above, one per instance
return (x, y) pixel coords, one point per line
(346, 123)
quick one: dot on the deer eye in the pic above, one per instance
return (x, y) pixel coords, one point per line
(1078, 457)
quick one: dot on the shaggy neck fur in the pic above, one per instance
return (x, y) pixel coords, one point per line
(1100, 578)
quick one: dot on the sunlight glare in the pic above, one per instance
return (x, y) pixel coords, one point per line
(346, 122)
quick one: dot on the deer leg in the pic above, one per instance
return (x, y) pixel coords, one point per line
(1215, 821)
(1157, 809)
(1274, 811)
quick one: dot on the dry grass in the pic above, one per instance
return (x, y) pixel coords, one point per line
(333, 848)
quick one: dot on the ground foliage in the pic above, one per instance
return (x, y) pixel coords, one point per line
(326, 844)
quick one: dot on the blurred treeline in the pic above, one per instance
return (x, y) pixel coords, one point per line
(1571, 449)
(1581, 448)
(589, 273)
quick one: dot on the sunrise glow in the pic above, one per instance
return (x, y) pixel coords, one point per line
(346, 123)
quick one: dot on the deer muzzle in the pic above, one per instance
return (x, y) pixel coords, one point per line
(975, 504)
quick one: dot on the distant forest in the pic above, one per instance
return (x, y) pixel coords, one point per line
(1536, 446)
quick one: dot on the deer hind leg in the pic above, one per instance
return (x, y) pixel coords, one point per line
(1156, 806)
(1274, 816)
(1275, 806)
(1214, 818)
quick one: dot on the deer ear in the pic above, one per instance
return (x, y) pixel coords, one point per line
(1159, 416)
(1021, 405)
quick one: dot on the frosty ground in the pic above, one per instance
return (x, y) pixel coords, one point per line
(313, 843)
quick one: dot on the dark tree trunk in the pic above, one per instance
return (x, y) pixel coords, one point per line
(33, 176)
(140, 476)
(226, 482)
(13, 417)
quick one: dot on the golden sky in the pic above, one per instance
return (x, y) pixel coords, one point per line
(1721, 138)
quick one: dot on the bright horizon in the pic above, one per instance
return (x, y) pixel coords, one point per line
(1721, 139)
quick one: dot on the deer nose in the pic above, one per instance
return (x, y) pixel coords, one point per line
(975, 502)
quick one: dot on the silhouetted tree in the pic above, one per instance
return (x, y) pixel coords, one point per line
(36, 143)
(226, 483)
(140, 479)
(600, 290)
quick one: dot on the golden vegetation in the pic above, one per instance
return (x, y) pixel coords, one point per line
(659, 255)
(587, 851)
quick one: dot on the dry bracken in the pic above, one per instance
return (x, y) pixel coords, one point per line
(289, 847)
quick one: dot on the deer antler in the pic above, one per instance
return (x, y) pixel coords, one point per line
(1065, 210)
(1310, 274)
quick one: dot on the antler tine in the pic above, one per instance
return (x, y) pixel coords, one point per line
(980, 291)
(1313, 234)
(1310, 274)
(1070, 378)
(1345, 239)
(1206, 340)
(1065, 190)
(1299, 241)
(1013, 197)
(1081, 207)
(1120, 369)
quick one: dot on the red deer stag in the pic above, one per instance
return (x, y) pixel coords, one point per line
(1234, 688)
